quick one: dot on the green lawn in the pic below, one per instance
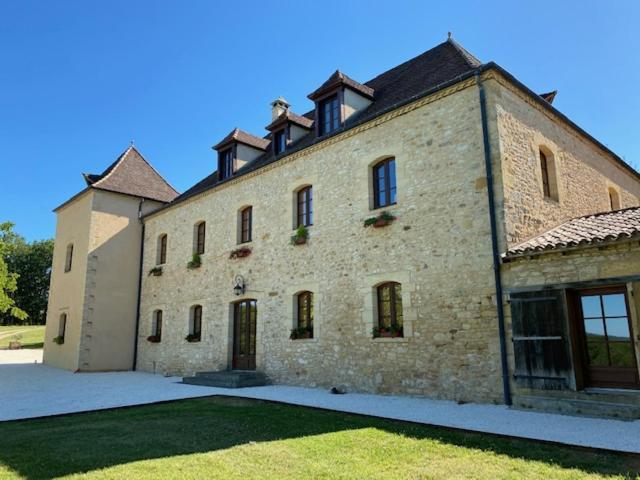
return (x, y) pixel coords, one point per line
(30, 336)
(226, 438)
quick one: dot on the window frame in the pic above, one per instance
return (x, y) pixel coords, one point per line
(304, 206)
(200, 237)
(390, 191)
(62, 326)
(68, 260)
(335, 114)
(156, 329)
(226, 163)
(394, 296)
(246, 224)
(280, 141)
(162, 249)
(195, 325)
(305, 310)
(544, 171)
(614, 199)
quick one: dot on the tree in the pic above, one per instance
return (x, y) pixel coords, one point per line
(8, 279)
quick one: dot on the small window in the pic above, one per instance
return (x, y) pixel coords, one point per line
(162, 250)
(384, 183)
(69, 258)
(390, 307)
(199, 240)
(195, 325)
(280, 141)
(62, 328)
(548, 174)
(156, 330)
(329, 110)
(304, 320)
(614, 199)
(246, 224)
(226, 163)
(304, 205)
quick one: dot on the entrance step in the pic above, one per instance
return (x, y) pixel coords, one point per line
(228, 379)
(621, 407)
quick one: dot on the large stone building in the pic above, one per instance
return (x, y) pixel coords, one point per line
(437, 230)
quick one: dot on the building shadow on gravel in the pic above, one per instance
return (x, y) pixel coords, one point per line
(73, 444)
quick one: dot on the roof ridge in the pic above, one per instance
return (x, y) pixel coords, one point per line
(154, 169)
(471, 59)
(112, 168)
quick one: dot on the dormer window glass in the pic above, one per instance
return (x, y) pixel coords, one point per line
(329, 110)
(226, 163)
(280, 141)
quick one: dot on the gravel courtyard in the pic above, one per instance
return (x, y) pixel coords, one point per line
(30, 390)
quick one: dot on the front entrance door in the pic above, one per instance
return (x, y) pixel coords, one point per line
(609, 358)
(244, 335)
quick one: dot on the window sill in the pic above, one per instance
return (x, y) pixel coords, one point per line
(304, 340)
(390, 340)
(391, 205)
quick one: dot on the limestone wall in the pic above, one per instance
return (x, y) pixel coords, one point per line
(439, 249)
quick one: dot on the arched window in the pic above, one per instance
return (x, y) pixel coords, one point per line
(304, 207)
(62, 328)
(390, 308)
(195, 324)
(162, 250)
(384, 183)
(614, 199)
(246, 220)
(69, 258)
(548, 174)
(199, 233)
(156, 329)
(304, 316)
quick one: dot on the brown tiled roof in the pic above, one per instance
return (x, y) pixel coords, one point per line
(549, 96)
(289, 116)
(591, 229)
(133, 175)
(339, 78)
(241, 136)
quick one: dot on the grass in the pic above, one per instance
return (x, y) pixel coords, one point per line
(30, 336)
(226, 438)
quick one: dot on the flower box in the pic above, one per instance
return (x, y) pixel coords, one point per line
(388, 332)
(156, 271)
(191, 338)
(59, 340)
(301, 236)
(240, 253)
(301, 333)
(195, 262)
(153, 338)
(382, 220)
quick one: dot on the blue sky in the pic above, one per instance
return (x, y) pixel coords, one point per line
(79, 80)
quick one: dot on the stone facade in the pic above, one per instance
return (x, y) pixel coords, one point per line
(439, 248)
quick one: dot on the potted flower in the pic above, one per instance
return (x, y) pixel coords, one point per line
(301, 332)
(240, 252)
(192, 337)
(382, 220)
(156, 271)
(392, 331)
(301, 236)
(195, 262)
(59, 340)
(153, 338)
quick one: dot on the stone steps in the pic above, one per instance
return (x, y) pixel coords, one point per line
(621, 407)
(228, 379)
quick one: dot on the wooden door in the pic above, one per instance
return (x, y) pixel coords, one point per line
(244, 335)
(607, 346)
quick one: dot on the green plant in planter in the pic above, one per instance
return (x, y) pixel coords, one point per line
(156, 271)
(382, 220)
(301, 236)
(195, 261)
(59, 340)
(240, 253)
(192, 337)
(392, 331)
(301, 332)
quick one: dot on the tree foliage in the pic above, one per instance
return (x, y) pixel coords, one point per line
(26, 267)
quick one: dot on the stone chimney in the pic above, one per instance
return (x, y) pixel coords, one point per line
(278, 107)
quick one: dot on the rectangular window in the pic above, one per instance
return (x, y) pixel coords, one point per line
(196, 325)
(200, 233)
(305, 207)
(544, 167)
(384, 183)
(245, 225)
(62, 327)
(157, 325)
(226, 164)
(329, 113)
(69, 258)
(162, 258)
(280, 141)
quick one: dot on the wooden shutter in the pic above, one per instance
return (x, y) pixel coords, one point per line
(541, 343)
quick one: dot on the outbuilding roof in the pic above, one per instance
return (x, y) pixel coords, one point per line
(594, 229)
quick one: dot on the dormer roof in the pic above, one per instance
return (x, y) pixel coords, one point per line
(289, 116)
(240, 136)
(340, 79)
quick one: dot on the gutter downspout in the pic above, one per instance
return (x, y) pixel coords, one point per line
(494, 242)
(135, 340)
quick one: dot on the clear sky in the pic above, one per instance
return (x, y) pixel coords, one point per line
(80, 79)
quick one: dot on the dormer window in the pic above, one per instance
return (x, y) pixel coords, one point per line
(329, 110)
(280, 141)
(226, 163)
